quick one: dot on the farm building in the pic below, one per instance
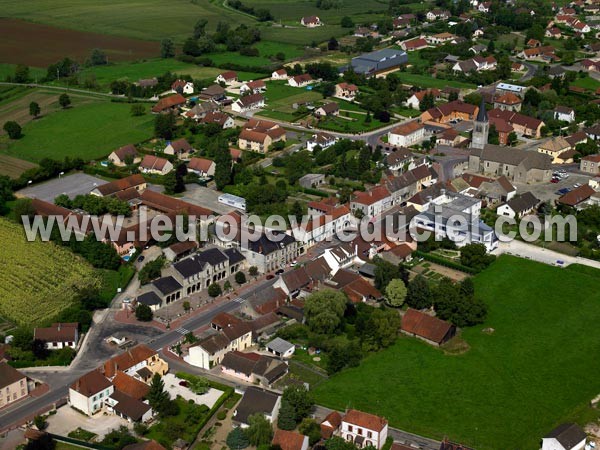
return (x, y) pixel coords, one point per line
(430, 329)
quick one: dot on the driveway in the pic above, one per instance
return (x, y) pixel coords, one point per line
(173, 387)
(67, 419)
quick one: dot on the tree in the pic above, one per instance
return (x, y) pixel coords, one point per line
(143, 313)
(347, 22)
(236, 439)
(164, 125)
(23, 208)
(297, 211)
(395, 292)
(286, 419)
(333, 44)
(300, 400)
(138, 109)
(167, 48)
(40, 423)
(253, 271)
(34, 109)
(260, 430)
(186, 306)
(64, 100)
(223, 165)
(157, 396)
(240, 277)
(151, 270)
(214, 290)
(97, 58)
(39, 349)
(309, 427)
(385, 272)
(338, 443)
(324, 310)
(227, 286)
(475, 256)
(13, 129)
(44, 442)
(200, 28)
(512, 139)
(190, 47)
(21, 74)
(418, 294)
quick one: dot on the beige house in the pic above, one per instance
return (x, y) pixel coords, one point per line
(126, 153)
(13, 385)
(590, 164)
(254, 141)
(155, 165)
(556, 147)
(211, 350)
(180, 147)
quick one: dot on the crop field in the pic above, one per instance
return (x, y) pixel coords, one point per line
(533, 367)
(20, 44)
(13, 167)
(37, 279)
(88, 130)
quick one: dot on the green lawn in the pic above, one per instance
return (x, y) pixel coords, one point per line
(87, 131)
(587, 83)
(427, 81)
(536, 370)
(354, 124)
(7, 70)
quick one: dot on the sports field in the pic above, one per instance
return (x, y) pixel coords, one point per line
(21, 43)
(87, 130)
(534, 367)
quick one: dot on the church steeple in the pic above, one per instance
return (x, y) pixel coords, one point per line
(481, 127)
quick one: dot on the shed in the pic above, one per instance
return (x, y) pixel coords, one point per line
(280, 347)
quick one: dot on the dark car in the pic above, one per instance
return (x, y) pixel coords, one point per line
(270, 276)
(279, 272)
(141, 258)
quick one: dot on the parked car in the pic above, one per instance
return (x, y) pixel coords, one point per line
(554, 180)
(141, 258)
(279, 272)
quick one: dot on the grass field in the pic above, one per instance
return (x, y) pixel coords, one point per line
(536, 370)
(7, 70)
(426, 81)
(88, 131)
(280, 98)
(586, 83)
(37, 279)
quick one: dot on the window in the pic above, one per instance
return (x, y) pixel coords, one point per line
(359, 431)
(369, 434)
(350, 428)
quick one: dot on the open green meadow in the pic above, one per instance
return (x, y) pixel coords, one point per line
(37, 279)
(427, 81)
(88, 131)
(533, 367)
(280, 97)
(8, 70)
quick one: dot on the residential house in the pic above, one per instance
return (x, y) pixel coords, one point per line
(346, 91)
(323, 226)
(399, 160)
(440, 38)
(428, 328)
(280, 74)
(478, 48)
(311, 21)
(590, 164)
(13, 385)
(140, 362)
(484, 7)
(257, 401)
(215, 93)
(172, 103)
(300, 80)
(155, 165)
(437, 14)
(58, 336)
(281, 348)
(182, 87)
(268, 255)
(379, 62)
(200, 110)
(556, 147)
(136, 182)
(323, 140)
(522, 124)
(407, 134)
(202, 167)
(544, 53)
(179, 147)
(577, 198)
(567, 436)
(519, 207)
(331, 424)
(128, 408)
(590, 65)
(328, 109)
(356, 288)
(248, 103)
(414, 101)
(253, 87)
(88, 393)
(476, 64)
(121, 156)
(455, 110)
(219, 118)
(508, 102)
(290, 440)
(227, 78)
(553, 32)
(363, 429)
(415, 44)
(210, 350)
(564, 113)
(253, 368)
(516, 164)
(254, 141)
(372, 202)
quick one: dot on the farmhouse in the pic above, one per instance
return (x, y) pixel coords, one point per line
(253, 87)
(328, 109)
(426, 327)
(567, 436)
(179, 147)
(323, 140)
(378, 62)
(13, 385)
(202, 167)
(155, 165)
(169, 104)
(228, 77)
(311, 21)
(519, 206)
(257, 401)
(346, 91)
(364, 429)
(220, 118)
(248, 103)
(59, 335)
(214, 93)
(300, 80)
(412, 45)
(407, 134)
(121, 156)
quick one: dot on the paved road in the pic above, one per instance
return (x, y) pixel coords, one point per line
(543, 255)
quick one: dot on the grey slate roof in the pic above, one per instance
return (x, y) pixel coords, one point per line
(568, 434)
(523, 202)
(167, 285)
(255, 401)
(149, 298)
(279, 345)
(513, 156)
(378, 60)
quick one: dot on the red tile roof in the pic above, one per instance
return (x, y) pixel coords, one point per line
(128, 359)
(58, 332)
(423, 325)
(169, 102)
(371, 196)
(129, 385)
(131, 181)
(91, 383)
(576, 196)
(151, 162)
(407, 128)
(200, 164)
(288, 440)
(365, 420)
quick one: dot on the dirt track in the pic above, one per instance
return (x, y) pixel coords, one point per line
(41, 45)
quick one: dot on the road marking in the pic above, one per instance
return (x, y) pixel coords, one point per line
(182, 330)
(239, 300)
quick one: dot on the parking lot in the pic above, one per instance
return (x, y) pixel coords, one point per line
(72, 185)
(205, 197)
(549, 191)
